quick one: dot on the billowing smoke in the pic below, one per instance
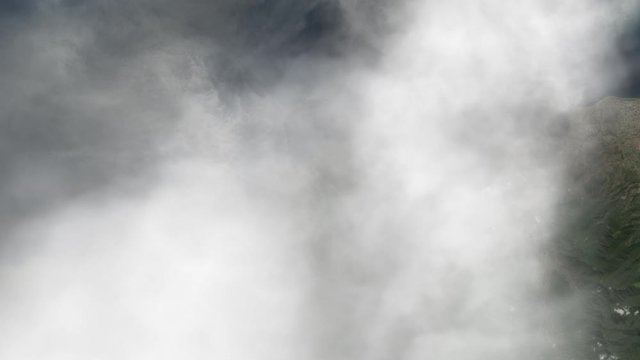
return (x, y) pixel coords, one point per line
(288, 179)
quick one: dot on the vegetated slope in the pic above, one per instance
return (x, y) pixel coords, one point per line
(599, 239)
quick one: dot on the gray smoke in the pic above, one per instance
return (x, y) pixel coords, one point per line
(287, 179)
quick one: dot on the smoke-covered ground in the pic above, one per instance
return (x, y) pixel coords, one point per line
(288, 179)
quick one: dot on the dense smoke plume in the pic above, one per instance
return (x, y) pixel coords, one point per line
(287, 179)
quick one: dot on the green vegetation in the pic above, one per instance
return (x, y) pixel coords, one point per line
(598, 246)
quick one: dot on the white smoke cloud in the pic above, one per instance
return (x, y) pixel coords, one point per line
(353, 209)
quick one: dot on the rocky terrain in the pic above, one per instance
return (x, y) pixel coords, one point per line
(599, 240)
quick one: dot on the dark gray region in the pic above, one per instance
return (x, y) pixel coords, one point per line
(629, 48)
